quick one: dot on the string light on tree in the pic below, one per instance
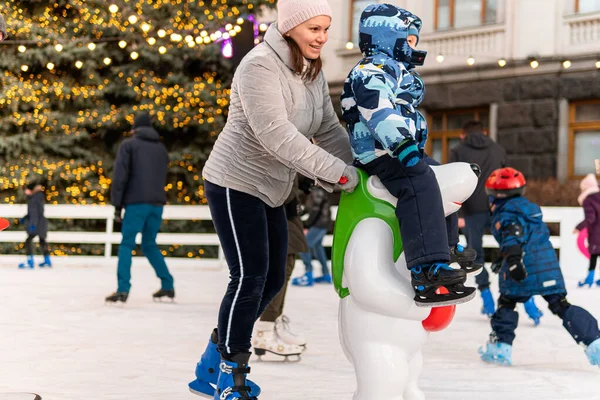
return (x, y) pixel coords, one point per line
(92, 46)
(122, 44)
(134, 55)
(113, 8)
(132, 19)
(59, 47)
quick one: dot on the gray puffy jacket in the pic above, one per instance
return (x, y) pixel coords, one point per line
(278, 124)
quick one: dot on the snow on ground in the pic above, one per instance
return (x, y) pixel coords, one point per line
(59, 339)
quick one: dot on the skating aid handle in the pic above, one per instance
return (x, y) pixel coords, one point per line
(343, 180)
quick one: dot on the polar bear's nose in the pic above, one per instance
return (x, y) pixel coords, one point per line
(476, 169)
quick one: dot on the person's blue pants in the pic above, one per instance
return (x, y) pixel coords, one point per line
(314, 238)
(145, 219)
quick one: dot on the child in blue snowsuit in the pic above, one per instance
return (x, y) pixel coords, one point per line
(388, 134)
(530, 267)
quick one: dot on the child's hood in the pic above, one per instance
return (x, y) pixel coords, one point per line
(588, 185)
(384, 28)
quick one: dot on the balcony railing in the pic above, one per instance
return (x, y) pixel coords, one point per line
(582, 34)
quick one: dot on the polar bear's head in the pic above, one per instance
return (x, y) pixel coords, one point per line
(457, 182)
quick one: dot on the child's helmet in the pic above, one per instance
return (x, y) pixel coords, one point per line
(504, 183)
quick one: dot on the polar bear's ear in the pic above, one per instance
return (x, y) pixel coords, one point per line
(457, 182)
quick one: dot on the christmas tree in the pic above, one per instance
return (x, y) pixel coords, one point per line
(73, 73)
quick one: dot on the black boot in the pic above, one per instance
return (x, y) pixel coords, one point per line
(117, 296)
(164, 293)
(428, 280)
(465, 258)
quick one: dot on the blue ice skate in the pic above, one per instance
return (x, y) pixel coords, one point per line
(589, 280)
(28, 264)
(489, 307)
(207, 371)
(534, 313)
(46, 263)
(232, 383)
(304, 280)
(593, 352)
(496, 353)
(323, 279)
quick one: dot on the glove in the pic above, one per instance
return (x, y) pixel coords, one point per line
(497, 264)
(118, 218)
(349, 179)
(22, 220)
(408, 153)
(31, 229)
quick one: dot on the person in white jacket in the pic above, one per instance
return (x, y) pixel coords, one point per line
(281, 120)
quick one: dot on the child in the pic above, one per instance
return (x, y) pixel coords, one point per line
(530, 268)
(316, 226)
(388, 135)
(35, 225)
(590, 200)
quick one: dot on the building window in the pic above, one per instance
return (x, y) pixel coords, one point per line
(587, 6)
(464, 13)
(584, 138)
(445, 128)
(356, 9)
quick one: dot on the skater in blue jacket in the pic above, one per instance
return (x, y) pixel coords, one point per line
(530, 267)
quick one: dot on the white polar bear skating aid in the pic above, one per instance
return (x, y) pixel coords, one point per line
(382, 331)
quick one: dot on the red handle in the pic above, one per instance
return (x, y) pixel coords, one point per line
(343, 180)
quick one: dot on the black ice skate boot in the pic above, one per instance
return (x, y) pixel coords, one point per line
(428, 278)
(466, 259)
(164, 293)
(116, 297)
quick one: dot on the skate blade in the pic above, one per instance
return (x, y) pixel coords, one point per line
(159, 300)
(260, 353)
(447, 302)
(20, 396)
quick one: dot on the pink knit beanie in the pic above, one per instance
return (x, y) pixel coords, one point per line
(291, 13)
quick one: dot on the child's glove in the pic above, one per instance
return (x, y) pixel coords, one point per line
(497, 265)
(22, 220)
(408, 153)
(349, 179)
(31, 229)
(514, 260)
(118, 218)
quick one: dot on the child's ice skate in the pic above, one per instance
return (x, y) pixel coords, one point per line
(466, 259)
(46, 262)
(232, 383)
(116, 297)
(496, 353)
(169, 293)
(589, 280)
(593, 352)
(427, 278)
(489, 307)
(304, 280)
(533, 312)
(207, 371)
(29, 264)
(282, 329)
(266, 340)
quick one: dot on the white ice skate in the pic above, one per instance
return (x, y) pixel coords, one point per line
(265, 340)
(283, 330)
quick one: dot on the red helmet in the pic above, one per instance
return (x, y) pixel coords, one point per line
(505, 182)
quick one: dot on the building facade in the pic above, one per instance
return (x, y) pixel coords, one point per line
(528, 69)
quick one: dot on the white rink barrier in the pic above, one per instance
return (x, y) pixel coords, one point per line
(574, 264)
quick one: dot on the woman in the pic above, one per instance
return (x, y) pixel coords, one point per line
(279, 103)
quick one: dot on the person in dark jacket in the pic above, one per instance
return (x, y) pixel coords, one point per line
(139, 178)
(476, 147)
(36, 224)
(529, 267)
(316, 226)
(589, 199)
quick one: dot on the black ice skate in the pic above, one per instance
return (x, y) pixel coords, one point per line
(164, 293)
(426, 279)
(466, 259)
(116, 297)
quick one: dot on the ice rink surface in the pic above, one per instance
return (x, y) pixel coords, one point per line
(60, 340)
